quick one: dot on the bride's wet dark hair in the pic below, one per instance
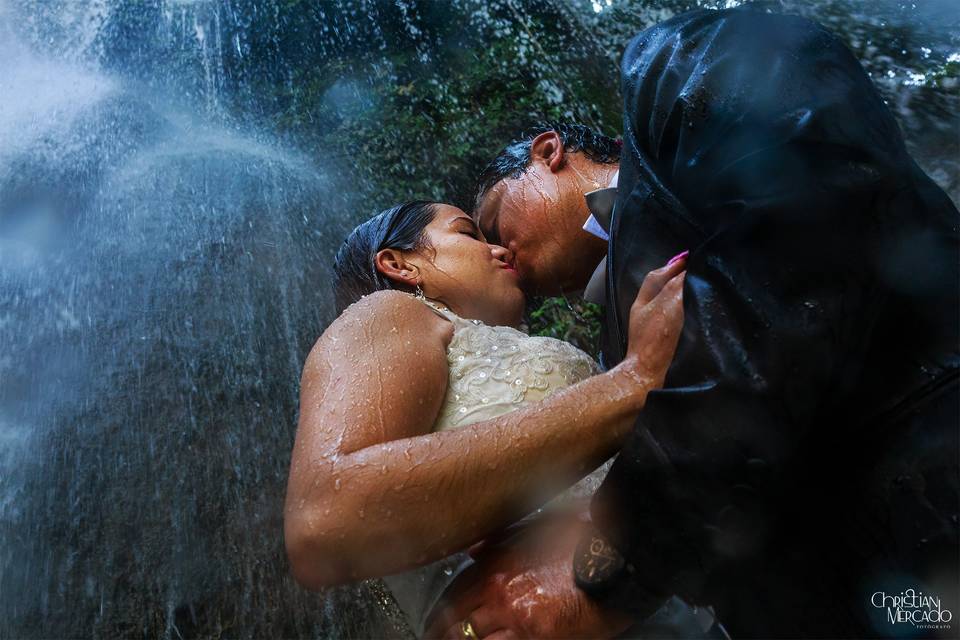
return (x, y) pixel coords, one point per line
(400, 227)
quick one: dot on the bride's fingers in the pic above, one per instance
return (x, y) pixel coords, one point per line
(482, 624)
(670, 299)
(446, 620)
(674, 286)
(656, 279)
(459, 600)
(501, 634)
(455, 632)
(484, 621)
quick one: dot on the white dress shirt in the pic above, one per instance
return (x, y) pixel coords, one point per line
(600, 203)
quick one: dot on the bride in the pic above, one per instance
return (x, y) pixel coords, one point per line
(428, 422)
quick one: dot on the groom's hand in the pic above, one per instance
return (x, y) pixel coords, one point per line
(524, 588)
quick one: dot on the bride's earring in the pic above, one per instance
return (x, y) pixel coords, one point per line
(419, 292)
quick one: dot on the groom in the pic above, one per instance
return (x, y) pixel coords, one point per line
(802, 457)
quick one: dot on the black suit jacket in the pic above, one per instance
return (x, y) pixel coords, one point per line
(803, 453)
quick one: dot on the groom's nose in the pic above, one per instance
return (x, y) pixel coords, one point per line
(502, 253)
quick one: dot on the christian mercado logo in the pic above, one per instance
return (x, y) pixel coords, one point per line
(922, 610)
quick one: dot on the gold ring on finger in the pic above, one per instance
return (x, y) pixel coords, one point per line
(467, 629)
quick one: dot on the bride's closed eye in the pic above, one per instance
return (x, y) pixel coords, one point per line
(468, 227)
(471, 231)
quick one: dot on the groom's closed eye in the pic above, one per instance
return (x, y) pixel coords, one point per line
(493, 237)
(488, 228)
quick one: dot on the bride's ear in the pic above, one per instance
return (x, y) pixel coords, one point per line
(392, 264)
(548, 148)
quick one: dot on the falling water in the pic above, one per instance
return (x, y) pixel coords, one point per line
(162, 279)
(175, 177)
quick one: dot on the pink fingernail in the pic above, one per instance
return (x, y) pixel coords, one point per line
(679, 256)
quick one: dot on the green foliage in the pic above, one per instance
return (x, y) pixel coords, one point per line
(426, 122)
(945, 76)
(411, 98)
(576, 321)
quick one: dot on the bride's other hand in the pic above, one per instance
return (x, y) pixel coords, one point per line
(522, 587)
(656, 319)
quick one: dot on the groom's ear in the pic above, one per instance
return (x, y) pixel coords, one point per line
(547, 148)
(391, 264)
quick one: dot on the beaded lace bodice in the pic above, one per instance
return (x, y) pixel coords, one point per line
(494, 370)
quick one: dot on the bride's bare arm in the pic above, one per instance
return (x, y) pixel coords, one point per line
(372, 491)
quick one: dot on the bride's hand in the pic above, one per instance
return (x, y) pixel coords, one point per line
(656, 319)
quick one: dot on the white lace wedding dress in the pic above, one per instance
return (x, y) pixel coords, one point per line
(493, 370)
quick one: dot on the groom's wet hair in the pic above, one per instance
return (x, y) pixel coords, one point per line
(400, 227)
(513, 161)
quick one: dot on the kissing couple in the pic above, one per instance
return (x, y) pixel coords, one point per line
(778, 386)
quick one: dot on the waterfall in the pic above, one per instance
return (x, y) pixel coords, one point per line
(161, 281)
(175, 178)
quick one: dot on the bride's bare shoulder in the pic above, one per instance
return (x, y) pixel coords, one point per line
(386, 317)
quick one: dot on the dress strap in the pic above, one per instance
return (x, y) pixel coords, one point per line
(440, 311)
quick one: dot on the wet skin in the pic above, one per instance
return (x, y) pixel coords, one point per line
(372, 490)
(539, 217)
(459, 269)
(523, 588)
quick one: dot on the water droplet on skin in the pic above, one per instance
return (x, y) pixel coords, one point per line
(360, 514)
(336, 484)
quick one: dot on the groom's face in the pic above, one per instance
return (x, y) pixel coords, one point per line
(539, 217)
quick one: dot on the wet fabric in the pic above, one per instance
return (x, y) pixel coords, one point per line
(493, 370)
(802, 455)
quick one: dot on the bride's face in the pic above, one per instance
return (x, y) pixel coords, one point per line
(459, 268)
